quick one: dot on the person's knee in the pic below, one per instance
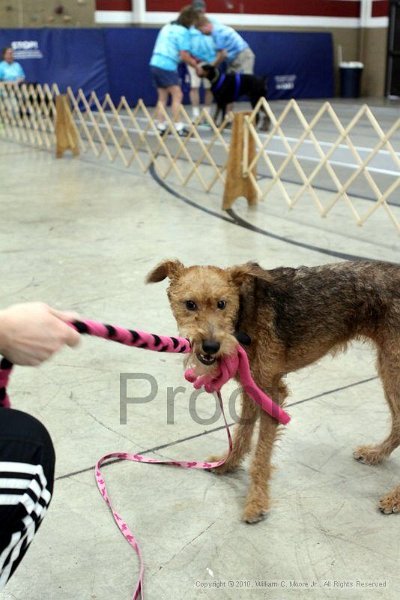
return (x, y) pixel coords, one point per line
(16, 423)
(27, 455)
(162, 95)
(177, 94)
(25, 438)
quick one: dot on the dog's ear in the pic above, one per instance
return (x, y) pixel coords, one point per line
(168, 268)
(240, 273)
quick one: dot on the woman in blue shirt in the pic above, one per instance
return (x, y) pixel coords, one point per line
(172, 46)
(202, 47)
(10, 71)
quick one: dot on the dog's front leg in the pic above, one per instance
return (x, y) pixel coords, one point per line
(223, 112)
(257, 501)
(216, 114)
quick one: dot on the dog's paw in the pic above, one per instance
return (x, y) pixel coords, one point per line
(222, 469)
(255, 511)
(390, 504)
(368, 455)
(251, 516)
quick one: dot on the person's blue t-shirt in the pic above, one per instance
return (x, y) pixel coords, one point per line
(11, 71)
(202, 46)
(226, 38)
(171, 40)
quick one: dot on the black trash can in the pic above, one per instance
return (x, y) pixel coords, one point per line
(350, 79)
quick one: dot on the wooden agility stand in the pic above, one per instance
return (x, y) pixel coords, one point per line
(66, 135)
(236, 184)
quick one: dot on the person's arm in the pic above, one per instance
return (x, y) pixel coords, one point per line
(31, 333)
(221, 56)
(184, 45)
(188, 58)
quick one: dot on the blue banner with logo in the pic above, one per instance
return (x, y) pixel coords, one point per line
(68, 57)
(296, 64)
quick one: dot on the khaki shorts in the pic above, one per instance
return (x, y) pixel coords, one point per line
(243, 63)
(196, 81)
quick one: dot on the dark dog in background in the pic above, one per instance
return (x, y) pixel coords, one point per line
(228, 87)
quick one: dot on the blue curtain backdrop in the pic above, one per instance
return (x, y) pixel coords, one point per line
(68, 57)
(115, 60)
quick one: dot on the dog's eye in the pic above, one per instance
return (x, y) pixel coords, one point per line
(190, 305)
(221, 304)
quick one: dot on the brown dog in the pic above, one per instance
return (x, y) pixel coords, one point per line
(293, 317)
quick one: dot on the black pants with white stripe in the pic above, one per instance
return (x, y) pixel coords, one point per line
(26, 484)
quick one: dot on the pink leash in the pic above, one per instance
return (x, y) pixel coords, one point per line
(228, 368)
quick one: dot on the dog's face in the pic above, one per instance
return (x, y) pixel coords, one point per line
(206, 70)
(205, 304)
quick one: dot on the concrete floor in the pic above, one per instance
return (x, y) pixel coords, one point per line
(82, 235)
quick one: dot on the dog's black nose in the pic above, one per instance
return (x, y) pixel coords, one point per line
(210, 346)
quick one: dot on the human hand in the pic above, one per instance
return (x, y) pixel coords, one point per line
(31, 333)
(199, 70)
(222, 55)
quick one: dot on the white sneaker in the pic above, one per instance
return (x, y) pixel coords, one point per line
(181, 130)
(161, 128)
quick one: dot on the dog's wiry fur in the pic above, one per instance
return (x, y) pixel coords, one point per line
(293, 317)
